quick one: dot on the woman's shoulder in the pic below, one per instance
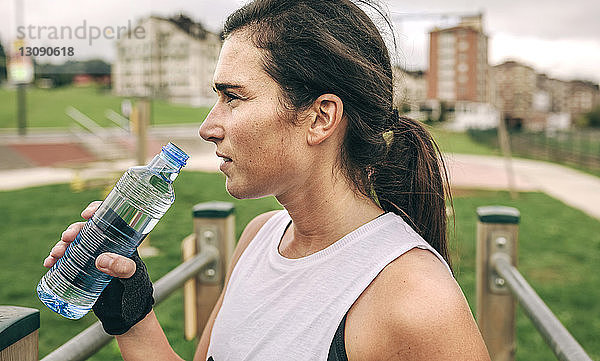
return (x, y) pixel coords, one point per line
(257, 222)
(247, 236)
(413, 309)
(253, 227)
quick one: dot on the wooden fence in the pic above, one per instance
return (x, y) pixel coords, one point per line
(580, 148)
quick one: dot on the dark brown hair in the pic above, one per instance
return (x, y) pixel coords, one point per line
(315, 47)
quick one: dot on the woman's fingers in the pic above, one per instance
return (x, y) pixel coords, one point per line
(59, 249)
(55, 253)
(49, 261)
(71, 232)
(115, 265)
(91, 208)
(69, 235)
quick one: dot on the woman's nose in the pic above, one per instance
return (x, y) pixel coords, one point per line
(211, 129)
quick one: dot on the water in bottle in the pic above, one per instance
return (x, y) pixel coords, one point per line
(123, 220)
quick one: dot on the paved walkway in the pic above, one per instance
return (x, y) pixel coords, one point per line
(572, 187)
(575, 188)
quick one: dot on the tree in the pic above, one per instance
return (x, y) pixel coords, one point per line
(592, 118)
(63, 74)
(59, 74)
(2, 64)
(96, 67)
(443, 111)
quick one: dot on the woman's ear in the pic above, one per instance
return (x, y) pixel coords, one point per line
(326, 115)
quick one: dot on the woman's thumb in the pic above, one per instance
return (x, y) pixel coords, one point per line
(115, 265)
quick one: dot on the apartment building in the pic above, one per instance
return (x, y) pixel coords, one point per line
(533, 100)
(558, 91)
(458, 62)
(583, 97)
(515, 87)
(174, 60)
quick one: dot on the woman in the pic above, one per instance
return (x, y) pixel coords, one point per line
(356, 267)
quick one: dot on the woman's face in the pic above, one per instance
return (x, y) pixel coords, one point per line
(261, 151)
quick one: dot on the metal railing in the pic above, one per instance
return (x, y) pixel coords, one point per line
(498, 280)
(93, 338)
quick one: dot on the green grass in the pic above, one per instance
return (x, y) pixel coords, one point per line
(46, 108)
(459, 142)
(559, 252)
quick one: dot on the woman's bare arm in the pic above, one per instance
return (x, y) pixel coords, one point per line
(146, 341)
(413, 310)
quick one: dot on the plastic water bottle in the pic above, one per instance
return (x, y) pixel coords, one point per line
(131, 210)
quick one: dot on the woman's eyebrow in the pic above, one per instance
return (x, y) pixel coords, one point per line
(224, 86)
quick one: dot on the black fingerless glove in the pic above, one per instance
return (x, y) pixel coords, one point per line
(125, 301)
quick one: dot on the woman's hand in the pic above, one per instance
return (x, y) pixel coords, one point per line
(110, 263)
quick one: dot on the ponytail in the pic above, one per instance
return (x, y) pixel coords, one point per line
(410, 179)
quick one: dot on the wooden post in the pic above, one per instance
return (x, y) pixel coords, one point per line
(188, 250)
(19, 333)
(143, 119)
(22, 108)
(142, 115)
(214, 226)
(504, 141)
(497, 236)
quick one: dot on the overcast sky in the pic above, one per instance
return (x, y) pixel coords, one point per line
(559, 38)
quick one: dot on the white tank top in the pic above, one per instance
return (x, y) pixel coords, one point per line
(277, 308)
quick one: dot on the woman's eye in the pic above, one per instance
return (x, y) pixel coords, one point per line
(229, 97)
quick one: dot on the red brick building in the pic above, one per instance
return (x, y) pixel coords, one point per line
(458, 62)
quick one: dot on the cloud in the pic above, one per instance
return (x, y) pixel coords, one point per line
(552, 19)
(563, 59)
(557, 37)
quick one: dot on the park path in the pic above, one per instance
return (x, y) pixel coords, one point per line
(574, 188)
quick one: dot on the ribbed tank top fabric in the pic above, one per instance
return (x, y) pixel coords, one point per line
(277, 308)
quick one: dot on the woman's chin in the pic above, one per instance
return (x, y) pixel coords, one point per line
(237, 190)
(243, 191)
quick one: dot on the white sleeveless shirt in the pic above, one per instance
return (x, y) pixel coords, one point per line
(277, 308)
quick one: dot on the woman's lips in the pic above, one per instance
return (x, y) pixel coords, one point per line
(225, 162)
(223, 156)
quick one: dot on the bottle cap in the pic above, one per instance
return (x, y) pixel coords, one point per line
(175, 153)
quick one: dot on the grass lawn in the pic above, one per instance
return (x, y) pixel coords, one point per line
(46, 108)
(459, 142)
(559, 254)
